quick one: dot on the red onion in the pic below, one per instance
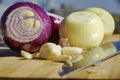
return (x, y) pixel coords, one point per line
(56, 21)
(25, 26)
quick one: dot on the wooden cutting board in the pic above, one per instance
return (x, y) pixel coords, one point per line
(14, 66)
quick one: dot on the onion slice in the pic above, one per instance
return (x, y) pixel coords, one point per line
(25, 26)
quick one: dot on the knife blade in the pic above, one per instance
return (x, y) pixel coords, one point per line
(95, 55)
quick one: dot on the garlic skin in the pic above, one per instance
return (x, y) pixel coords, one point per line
(64, 42)
(50, 51)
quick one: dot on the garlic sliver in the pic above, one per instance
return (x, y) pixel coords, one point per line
(27, 55)
(62, 58)
(76, 58)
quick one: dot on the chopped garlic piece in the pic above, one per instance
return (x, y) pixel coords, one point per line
(76, 58)
(62, 58)
(50, 51)
(27, 55)
(71, 51)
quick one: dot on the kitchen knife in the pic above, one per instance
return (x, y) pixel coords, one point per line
(95, 55)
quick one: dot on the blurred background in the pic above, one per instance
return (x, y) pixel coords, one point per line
(65, 7)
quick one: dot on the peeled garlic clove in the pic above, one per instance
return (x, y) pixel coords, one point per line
(50, 51)
(92, 56)
(62, 58)
(27, 55)
(76, 58)
(71, 51)
(68, 64)
(28, 13)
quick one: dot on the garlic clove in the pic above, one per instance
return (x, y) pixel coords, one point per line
(27, 55)
(76, 58)
(72, 51)
(50, 51)
(62, 58)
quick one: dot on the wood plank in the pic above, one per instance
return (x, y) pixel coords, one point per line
(107, 69)
(12, 65)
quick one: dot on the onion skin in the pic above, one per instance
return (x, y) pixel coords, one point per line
(56, 22)
(33, 45)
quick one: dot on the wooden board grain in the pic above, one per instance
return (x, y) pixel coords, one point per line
(12, 65)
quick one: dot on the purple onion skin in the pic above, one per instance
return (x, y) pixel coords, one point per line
(36, 43)
(56, 22)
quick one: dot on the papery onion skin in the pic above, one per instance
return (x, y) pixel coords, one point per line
(56, 22)
(30, 46)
